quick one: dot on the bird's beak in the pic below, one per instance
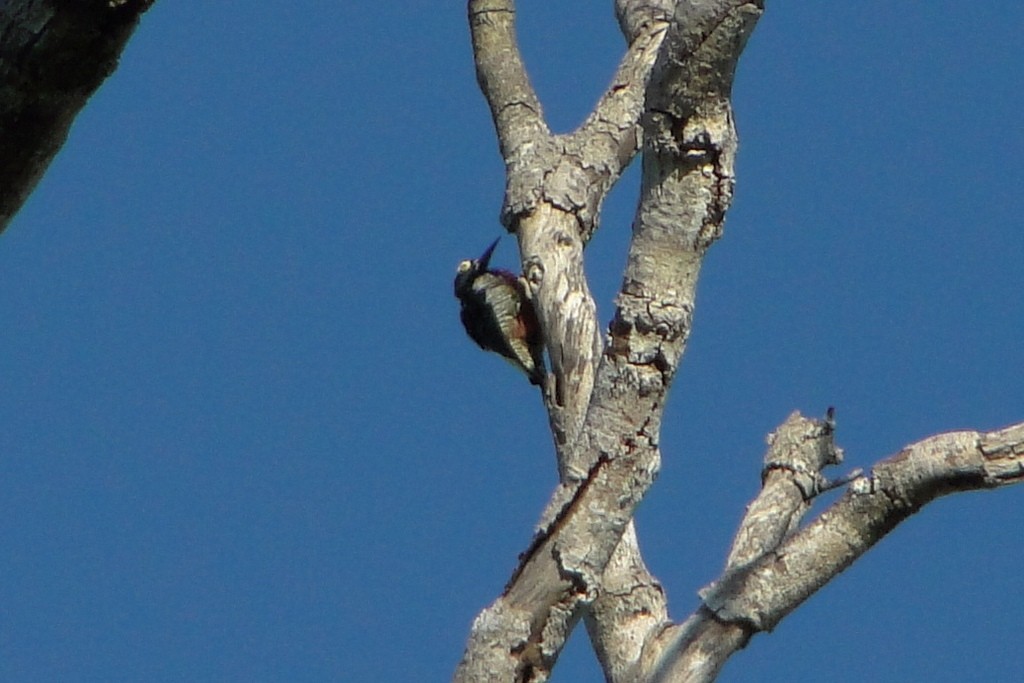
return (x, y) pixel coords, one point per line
(485, 258)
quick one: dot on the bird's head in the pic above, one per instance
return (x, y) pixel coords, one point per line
(468, 270)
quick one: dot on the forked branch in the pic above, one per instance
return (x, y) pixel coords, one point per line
(765, 581)
(607, 438)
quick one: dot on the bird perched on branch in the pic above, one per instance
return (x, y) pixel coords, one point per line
(498, 315)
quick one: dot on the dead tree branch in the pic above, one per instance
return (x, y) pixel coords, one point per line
(607, 437)
(766, 580)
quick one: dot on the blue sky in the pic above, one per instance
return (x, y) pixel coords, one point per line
(245, 438)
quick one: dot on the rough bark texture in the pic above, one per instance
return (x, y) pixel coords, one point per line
(53, 56)
(670, 99)
(797, 452)
(761, 594)
(774, 578)
(604, 404)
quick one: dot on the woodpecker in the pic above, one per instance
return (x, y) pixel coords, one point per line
(498, 315)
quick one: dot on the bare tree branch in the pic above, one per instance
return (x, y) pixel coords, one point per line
(610, 136)
(547, 225)
(554, 189)
(630, 606)
(790, 479)
(755, 595)
(605, 402)
(518, 119)
(53, 57)
(552, 253)
(631, 603)
(874, 504)
(608, 468)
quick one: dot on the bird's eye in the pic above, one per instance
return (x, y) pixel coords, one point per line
(465, 266)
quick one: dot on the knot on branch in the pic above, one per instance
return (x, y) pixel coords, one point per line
(693, 157)
(533, 272)
(558, 171)
(699, 135)
(649, 332)
(666, 318)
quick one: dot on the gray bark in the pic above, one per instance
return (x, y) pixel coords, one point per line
(605, 403)
(670, 99)
(53, 57)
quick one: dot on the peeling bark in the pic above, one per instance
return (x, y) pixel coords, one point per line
(670, 99)
(604, 404)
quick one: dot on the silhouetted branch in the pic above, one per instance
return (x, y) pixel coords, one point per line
(53, 57)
